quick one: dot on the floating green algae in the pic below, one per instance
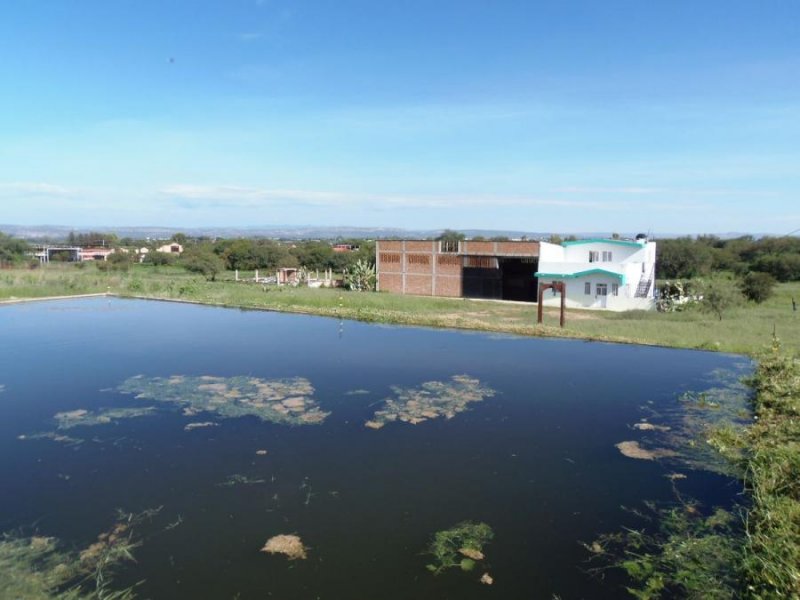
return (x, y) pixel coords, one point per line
(239, 479)
(358, 392)
(431, 400)
(460, 546)
(287, 401)
(52, 435)
(82, 417)
(40, 568)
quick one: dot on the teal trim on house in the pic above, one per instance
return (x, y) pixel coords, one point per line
(619, 276)
(627, 243)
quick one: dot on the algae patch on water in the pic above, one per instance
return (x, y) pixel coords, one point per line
(74, 418)
(287, 401)
(289, 545)
(431, 400)
(460, 546)
(632, 449)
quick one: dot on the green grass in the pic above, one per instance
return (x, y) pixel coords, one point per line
(745, 330)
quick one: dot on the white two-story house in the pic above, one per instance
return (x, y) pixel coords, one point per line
(601, 273)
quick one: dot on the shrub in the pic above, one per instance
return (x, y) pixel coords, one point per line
(719, 295)
(757, 286)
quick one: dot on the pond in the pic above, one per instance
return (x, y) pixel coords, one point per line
(234, 427)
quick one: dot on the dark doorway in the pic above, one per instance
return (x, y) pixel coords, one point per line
(482, 277)
(500, 278)
(518, 280)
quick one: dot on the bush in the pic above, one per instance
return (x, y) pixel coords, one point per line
(204, 261)
(719, 295)
(160, 259)
(757, 287)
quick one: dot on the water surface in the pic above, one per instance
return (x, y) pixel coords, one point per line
(536, 461)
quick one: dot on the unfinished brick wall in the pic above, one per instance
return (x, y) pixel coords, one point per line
(416, 267)
(419, 267)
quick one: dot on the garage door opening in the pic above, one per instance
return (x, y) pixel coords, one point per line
(499, 278)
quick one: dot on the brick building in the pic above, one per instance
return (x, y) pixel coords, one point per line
(468, 269)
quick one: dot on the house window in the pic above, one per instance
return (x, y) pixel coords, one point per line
(448, 246)
(602, 289)
(594, 256)
(587, 288)
(615, 289)
(607, 256)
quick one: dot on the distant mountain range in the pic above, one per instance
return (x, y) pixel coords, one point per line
(60, 232)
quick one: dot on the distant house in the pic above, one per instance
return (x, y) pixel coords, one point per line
(172, 248)
(98, 253)
(601, 273)
(344, 248)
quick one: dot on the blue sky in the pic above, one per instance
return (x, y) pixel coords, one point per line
(679, 116)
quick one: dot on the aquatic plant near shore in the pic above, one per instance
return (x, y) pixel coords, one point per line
(460, 546)
(700, 429)
(285, 401)
(690, 555)
(38, 567)
(431, 400)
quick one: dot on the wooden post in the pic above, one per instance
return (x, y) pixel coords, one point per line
(540, 309)
(558, 286)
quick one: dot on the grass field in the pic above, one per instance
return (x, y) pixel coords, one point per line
(747, 329)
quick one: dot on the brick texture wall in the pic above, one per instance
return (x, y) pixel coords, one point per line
(418, 267)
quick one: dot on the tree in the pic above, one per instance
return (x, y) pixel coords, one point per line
(719, 295)
(448, 235)
(201, 259)
(119, 261)
(555, 239)
(683, 258)
(12, 250)
(757, 287)
(783, 266)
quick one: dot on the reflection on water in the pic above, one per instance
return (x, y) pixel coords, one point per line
(512, 433)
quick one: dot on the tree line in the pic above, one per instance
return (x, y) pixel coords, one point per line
(687, 258)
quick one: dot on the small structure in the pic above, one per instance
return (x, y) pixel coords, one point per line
(287, 276)
(172, 248)
(46, 253)
(606, 274)
(95, 253)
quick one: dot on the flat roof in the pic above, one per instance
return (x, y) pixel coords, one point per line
(628, 243)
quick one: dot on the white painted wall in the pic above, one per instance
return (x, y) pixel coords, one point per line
(633, 262)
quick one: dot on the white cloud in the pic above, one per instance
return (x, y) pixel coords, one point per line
(191, 196)
(608, 190)
(28, 188)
